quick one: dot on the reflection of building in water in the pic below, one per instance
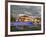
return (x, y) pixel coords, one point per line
(29, 19)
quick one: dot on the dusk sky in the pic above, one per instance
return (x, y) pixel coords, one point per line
(18, 10)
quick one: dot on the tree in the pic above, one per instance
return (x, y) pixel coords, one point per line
(12, 19)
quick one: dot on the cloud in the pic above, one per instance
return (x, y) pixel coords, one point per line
(27, 10)
(27, 13)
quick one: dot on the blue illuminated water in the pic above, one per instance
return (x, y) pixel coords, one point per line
(21, 23)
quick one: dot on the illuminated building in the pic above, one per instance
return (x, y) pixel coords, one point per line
(29, 19)
(25, 19)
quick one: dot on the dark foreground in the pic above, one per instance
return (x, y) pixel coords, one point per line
(25, 28)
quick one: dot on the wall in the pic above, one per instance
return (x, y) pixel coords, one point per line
(2, 20)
